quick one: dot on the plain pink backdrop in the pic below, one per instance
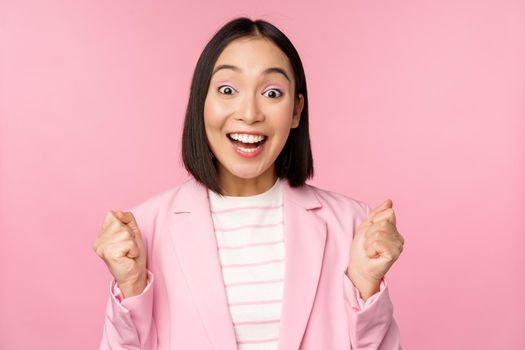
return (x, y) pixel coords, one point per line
(425, 98)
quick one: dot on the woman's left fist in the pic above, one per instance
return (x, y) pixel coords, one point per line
(376, 246)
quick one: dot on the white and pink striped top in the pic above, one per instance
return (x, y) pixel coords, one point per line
(249, 232)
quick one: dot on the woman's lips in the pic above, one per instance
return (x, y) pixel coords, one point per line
(248, 150)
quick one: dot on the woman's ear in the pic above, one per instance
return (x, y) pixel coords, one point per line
(297, 110)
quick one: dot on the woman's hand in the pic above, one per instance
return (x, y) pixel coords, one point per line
(376, 246)
(120, 245)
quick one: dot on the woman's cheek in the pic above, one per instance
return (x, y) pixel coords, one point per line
(215, 111)
(284, 118)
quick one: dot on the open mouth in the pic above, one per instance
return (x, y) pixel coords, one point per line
(247, 143)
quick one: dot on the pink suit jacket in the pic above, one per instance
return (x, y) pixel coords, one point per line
(184, 305)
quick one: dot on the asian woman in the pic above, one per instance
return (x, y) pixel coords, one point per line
(245, 254)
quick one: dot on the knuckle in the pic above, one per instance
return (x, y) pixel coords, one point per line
(112, 255)
(97, 248)
(100, 252)
(115, 225)
(105, 218)
(118, 235)
(125, 234)
(382, 234)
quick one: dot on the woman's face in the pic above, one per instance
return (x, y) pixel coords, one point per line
(250, 109)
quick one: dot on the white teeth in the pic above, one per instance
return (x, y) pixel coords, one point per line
(249, 150)
(247, 138)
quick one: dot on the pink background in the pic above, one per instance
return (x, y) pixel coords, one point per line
(422, 102)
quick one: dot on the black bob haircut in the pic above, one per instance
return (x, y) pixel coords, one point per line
(295, 162)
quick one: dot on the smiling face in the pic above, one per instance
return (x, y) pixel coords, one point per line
(249, 111)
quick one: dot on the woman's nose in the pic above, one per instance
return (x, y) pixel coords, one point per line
(250, 111)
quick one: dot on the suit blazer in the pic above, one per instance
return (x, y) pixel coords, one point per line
(184, 305)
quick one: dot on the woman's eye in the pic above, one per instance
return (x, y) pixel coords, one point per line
(225, 89)
(274, 93)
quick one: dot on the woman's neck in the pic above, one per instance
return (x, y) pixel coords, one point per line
(236, 186)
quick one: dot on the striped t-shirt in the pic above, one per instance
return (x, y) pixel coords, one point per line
(250, 239)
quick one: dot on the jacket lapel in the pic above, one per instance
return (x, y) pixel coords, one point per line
(305, 238)
(196, 247)
(194, 240)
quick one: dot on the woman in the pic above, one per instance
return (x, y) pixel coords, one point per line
(245, 254)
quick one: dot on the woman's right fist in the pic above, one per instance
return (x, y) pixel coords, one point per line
(120, 245)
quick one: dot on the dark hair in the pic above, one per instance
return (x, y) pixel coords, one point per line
(295, 161)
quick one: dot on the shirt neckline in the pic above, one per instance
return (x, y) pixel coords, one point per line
(269, 195)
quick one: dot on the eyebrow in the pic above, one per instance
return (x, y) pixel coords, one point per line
(266, 71)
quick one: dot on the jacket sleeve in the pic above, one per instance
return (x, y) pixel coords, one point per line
(129, 322)
(372, 323)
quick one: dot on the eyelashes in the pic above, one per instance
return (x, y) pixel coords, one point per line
(279, 92)
(224, 88)
(227, 87)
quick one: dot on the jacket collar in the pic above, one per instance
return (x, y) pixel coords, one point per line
(192, 195)
(192, 233)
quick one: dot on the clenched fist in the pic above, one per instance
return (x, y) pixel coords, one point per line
(376, 246)
(121, 247)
